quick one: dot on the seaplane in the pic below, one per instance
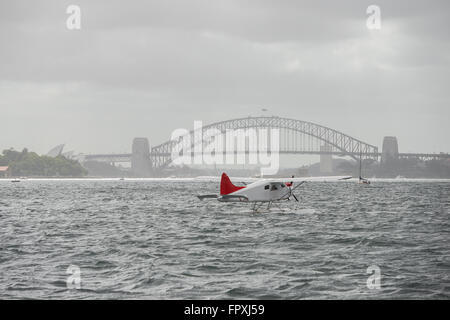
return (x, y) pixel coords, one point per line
(263, 191)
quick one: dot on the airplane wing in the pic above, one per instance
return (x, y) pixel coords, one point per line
(294, 183)
(306, 179)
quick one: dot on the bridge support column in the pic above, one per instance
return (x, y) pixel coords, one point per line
(389, 155)
(141, 165)
(326, 160)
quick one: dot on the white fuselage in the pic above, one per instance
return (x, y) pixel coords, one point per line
(259, 191)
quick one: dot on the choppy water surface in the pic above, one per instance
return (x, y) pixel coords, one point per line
(156, 240)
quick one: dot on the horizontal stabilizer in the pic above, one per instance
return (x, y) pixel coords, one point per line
(312, 179)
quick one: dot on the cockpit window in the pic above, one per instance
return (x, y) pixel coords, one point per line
(274, 187)
(266, 187)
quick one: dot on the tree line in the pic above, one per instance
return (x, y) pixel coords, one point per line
(25, 163)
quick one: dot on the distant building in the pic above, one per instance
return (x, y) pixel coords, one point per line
(69, 154)
(56, 151)
(3, 171)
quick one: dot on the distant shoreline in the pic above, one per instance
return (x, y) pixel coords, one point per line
(206, 179)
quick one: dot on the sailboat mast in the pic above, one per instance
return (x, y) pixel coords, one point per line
(360, 165)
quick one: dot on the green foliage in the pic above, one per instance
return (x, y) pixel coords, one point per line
(27, 163)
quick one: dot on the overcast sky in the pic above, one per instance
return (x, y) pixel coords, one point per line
(145, 68)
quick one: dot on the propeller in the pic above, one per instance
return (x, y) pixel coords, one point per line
(290, 191)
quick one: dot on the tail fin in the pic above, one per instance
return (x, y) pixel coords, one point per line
(226, 186)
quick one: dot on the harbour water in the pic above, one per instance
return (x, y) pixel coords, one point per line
(153, 239)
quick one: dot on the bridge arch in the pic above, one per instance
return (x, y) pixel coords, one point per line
(339, 142)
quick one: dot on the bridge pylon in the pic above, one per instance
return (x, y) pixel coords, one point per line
(141, 165)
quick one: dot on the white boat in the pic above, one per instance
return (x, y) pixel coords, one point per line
(361, 179)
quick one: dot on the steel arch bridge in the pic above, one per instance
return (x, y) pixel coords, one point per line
(296, 137)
